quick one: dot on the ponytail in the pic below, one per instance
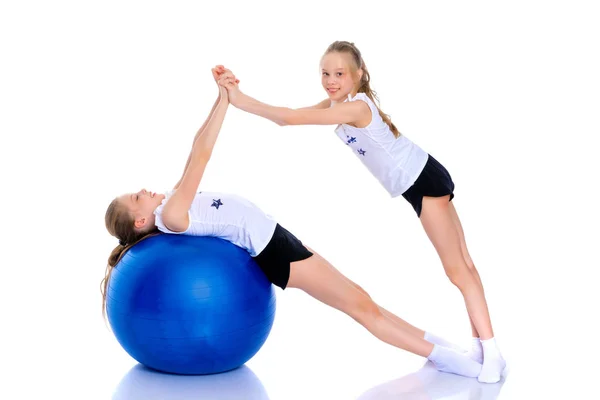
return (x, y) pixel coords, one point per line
(114, 258)
(365, 88)
(120, 224)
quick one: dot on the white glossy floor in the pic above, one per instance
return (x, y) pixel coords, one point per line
(141, 383)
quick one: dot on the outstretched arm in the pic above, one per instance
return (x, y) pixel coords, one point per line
(217, 101)
(342, 113)
(175, 213)
(319, 106)
(217, 73)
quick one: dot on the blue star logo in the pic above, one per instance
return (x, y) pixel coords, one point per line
(361, 152)
(216, 203)
(351, 139)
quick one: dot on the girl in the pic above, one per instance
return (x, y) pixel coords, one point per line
(281, 256)
(403, 168)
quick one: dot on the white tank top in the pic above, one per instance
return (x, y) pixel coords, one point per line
(226, 216)
(395, 162)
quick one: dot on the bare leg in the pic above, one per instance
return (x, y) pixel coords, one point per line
(315, 277)
(413, 330)
(437, 220)
(493, 362)
(466, 256)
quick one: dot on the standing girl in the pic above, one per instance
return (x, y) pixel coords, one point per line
(403, 168)
(284, 259)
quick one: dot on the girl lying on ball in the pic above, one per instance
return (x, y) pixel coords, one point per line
(283, 258)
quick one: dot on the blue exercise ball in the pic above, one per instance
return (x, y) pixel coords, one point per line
(189, 305)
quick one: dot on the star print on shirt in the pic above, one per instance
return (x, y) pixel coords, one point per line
(216, 203)
(361, 152)
(351, 139)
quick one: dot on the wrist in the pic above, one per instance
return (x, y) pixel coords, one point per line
(224, 100)
(240, 99)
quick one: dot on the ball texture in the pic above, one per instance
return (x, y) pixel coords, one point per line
(189, 305)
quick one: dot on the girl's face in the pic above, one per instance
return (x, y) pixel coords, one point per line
(337, 77)
(142, 205)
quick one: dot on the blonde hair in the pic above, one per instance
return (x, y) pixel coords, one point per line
(120, 224)
(364, 84)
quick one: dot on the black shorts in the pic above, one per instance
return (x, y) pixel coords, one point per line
(434, 181)
(283, 249)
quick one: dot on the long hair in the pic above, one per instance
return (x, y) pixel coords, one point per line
(120, 224)
(364, 84)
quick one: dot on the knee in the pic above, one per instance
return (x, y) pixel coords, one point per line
(459, 274)
(360, 289)
(366, 311)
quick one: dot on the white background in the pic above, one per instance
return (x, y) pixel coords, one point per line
(100, 98)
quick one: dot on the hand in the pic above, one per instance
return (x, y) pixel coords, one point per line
(224, 77)
(230, 82)
(220, 71)
(225, 80)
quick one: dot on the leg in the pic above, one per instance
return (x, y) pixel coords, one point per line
(402, 323)
(399, 321)
(476, 350)
(316, 278)
(495, 362)
(466, 256)
(437, 221)
(440, 221)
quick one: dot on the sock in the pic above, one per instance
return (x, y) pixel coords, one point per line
(493, 363)
(431, 338)
(476, 351)
(449, 360)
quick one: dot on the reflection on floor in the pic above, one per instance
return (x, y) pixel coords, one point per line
(142, 383)
(429, 384)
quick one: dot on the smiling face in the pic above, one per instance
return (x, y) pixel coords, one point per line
(339, 76)
(141, 206)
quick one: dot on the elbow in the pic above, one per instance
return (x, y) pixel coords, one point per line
(202, 153)
(290, 117)
(205, 155)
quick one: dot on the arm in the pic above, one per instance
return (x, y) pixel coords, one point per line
(322, 105)
(175, 213)
(341, 113)
(218, 72)
(196, 137)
